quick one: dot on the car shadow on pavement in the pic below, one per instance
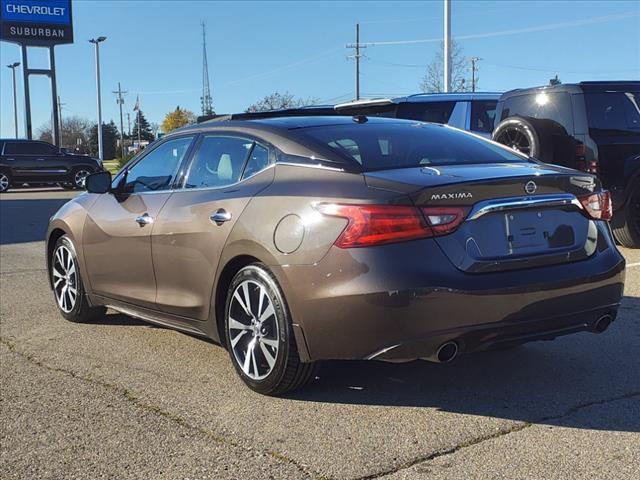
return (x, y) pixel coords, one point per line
(541, 382)
(26, 220)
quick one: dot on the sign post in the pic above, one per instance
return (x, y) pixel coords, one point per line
(37, 23)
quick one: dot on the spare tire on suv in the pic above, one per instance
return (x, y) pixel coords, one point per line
(519, 134)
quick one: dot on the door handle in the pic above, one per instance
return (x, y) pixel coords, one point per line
(220, 216)
(145, 219)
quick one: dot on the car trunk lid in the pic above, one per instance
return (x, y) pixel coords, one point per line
(518, 215)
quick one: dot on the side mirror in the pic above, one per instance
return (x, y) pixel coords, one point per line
(99, 182)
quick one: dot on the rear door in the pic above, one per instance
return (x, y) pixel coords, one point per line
(226, 172)
(117, 231)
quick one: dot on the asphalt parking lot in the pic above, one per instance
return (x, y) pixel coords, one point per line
(123, 399)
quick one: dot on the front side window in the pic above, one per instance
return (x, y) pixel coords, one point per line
(157, 170)
(218, 162)
(402, 145)
(483, 114)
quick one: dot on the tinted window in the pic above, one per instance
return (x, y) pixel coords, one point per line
(409, 145)
(218, 162)
(157, 170)
(259, 160)
(436, 112)
(483, 114)
(29, 148)
(614, 110)
(555, 107)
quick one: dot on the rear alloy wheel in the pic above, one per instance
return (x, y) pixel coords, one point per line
(519, 135)
(67, 285)
(259, 336)
(5, 182)
(626, 221)
(79, 178)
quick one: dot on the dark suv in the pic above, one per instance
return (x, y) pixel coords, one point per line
(590, 126)
(37, 162)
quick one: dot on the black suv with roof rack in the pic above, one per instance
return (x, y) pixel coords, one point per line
(35, 162)
(589, 126)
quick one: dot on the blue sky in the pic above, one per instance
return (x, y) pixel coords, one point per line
(255, 48)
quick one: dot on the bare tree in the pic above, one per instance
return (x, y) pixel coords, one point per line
(279, 101)
(433, 81)
(75, 133)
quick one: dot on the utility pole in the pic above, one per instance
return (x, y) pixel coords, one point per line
(447, 46)
(59, 106)
(120, 102)
(357, 46)
(129, 124)
(13, 67)
(474, 69)
(96, 42)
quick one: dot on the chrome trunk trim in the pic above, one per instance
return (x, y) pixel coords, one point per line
(516, 203)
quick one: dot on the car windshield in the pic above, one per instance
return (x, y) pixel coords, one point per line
(402, 145)
(619, 111)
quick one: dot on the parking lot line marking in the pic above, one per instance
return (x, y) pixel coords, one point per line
(636, 264)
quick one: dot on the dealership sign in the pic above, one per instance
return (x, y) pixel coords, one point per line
(36, 22)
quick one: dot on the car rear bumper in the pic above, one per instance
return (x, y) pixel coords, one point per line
(402, 301)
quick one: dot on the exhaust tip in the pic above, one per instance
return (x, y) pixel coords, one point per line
(447, 352)
(603, 323)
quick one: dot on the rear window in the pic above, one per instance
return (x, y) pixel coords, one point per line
(380, 147)
(555, 107)
(614, 111)
(436, 112)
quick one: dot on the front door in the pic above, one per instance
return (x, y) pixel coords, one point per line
(117, 232)
(225, 174)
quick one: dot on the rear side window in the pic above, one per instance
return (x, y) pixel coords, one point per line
(258, 160)
(435, 112)
(614, 111)
(402, 145)
(554, 107)
(483, 114)
(218, 162)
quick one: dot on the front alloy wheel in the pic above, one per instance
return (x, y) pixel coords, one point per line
(259, 335)
(4, 182)
(68, 288)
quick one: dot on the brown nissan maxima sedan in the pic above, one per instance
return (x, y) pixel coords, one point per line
(293, 240)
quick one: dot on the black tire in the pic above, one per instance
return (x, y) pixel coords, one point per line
(286, 372)
(519, 134)
(64, 261)
(5, 181)
(626, 221)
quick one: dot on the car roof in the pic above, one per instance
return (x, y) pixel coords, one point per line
(449, 97)
(593, 86)
(20, 140)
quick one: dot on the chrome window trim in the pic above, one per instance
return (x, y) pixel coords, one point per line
(311, 165)
(513, 203)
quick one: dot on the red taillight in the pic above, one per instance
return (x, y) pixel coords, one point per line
(598, 205)
(370, 225)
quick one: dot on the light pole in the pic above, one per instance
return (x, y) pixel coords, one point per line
(447, 46)
(15, 96)
(96, 42)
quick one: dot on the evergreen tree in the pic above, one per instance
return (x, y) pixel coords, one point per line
(145, 128)
(110, 137)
